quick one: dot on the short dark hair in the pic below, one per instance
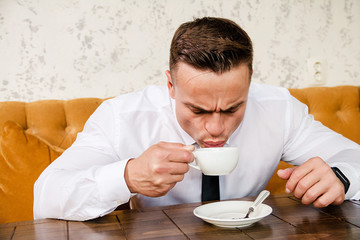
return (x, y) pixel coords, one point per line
(211, 43)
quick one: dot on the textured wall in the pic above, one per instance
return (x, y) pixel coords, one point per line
(79, 48)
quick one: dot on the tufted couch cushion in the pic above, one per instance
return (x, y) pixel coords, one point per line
(33, 134)
(337, 108)
(24, 157)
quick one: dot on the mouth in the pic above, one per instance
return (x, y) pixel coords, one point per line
(212, 144)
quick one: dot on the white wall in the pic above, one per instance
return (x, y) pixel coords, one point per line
(86, 48)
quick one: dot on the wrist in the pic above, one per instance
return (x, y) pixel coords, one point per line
(127, 175)
(342, 178)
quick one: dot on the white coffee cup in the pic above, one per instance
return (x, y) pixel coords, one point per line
(216, 161)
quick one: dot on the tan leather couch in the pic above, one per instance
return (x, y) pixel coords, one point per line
(34, 134)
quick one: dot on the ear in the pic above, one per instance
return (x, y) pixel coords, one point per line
(170, 84)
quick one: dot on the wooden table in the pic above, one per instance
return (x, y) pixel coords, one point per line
(289, 220)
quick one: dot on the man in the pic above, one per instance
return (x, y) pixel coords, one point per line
(137, 146)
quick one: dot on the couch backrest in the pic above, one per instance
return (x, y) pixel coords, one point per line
(56, 121)
(336, 107)
(39, 131)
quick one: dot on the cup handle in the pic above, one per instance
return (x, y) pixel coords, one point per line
(192, 165)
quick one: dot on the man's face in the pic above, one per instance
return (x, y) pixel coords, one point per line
(209, 106)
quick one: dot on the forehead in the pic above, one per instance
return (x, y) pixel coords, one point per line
(211, 89)
(186, 72)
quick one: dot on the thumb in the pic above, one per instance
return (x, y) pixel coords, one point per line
(285, 173)
(189, 147)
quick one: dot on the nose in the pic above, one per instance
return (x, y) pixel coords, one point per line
(214, 124)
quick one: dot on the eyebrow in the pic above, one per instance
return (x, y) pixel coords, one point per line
(236, 105)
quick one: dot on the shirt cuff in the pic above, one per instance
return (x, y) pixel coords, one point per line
(111, 183)
(348, 171)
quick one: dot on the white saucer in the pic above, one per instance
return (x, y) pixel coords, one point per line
(230, 214)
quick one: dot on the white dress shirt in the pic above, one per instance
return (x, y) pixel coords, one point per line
(87, 180)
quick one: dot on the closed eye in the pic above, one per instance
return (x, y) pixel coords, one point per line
(199, 111)
(233, 109)
(229, 111)
(196, 110)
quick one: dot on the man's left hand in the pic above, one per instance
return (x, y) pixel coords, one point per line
(314, 182)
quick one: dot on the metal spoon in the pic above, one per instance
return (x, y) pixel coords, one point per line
(260, 198)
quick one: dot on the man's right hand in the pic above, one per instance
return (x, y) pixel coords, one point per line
(158, 169)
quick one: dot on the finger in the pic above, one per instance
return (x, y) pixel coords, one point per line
(293, 181)
(170, 179)
(321, 197)
(285, 173)
(177, 178)
(297, 174)
(324, 200)
(313, 193)
(177, 168)
(189, 148)
(333, 194)
(169, 168)
(181, 155)
(339, 200)
(175, 152)
(173, 145)
(306, 183)
(327, 183)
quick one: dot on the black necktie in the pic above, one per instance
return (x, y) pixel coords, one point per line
(210, 188)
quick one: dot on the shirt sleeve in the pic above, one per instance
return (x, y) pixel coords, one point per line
(87, 180)
(306, 138)
(348, 161)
